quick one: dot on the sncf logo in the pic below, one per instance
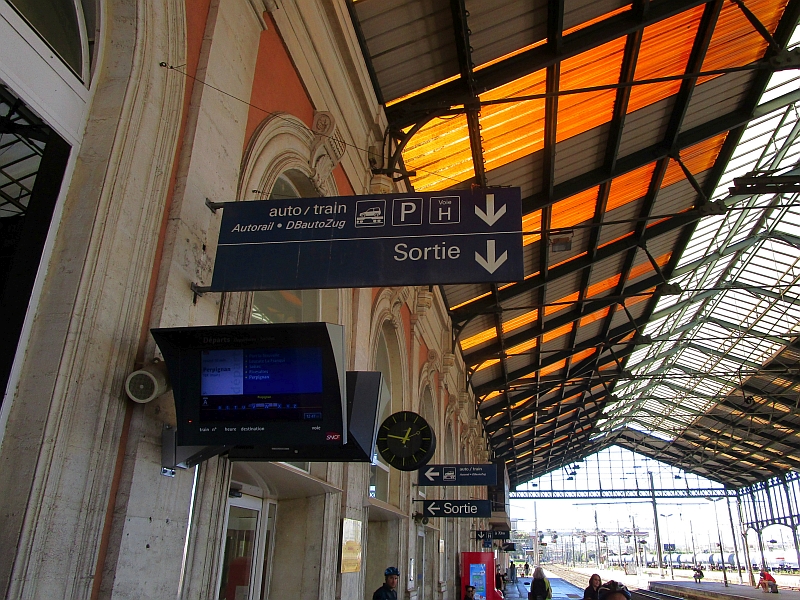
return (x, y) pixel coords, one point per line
(333, 436)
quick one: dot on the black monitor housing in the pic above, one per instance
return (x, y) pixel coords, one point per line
(280, 387)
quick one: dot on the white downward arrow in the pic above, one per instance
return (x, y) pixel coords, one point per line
(432, 508)
(431, 474)
(490, 217)
(491, 262)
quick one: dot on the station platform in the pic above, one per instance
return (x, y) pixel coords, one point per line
(562, 590)
(688, 590)
(710, 590)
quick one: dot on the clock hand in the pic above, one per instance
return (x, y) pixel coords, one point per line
(406, 436)
(397, 437)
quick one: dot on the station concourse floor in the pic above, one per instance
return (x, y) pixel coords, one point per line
(562, 590)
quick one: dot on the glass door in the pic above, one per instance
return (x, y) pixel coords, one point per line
(238, 575)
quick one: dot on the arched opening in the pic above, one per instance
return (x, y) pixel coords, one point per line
(66, 26)
(451, 563)
(428, 537)
(386, 520)
(288, 306)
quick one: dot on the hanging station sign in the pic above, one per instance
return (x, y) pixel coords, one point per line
(460, 236)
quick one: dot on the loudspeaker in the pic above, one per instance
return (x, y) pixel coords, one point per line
(148, 383)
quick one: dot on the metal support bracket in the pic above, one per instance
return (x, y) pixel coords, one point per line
(214, 206)
(199, 290)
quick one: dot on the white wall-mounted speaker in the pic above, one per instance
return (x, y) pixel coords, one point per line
(148, 383)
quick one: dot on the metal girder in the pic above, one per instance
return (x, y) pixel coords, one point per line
(404, 113)
(731, 450)
(764, 293)
(734, 426)
(717, 255)
(588, 307)
(553, 359)
(676, 456)
(577, 264)
(723, 355)
(542, 429)
(744, 330)
(645, 493)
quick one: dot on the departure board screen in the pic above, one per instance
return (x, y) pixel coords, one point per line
(275, 384)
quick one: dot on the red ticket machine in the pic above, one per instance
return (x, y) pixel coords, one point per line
(478, 569)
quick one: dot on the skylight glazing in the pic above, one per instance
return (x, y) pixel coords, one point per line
(740, 276)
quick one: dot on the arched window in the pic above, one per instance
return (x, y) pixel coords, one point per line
(288, 306)
(277, 166)
(379, 471)
(68, 27)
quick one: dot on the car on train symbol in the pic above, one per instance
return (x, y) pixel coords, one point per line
(368, 214)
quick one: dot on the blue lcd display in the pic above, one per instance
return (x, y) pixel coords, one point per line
(261, 384)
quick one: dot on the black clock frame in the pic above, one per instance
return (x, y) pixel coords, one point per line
(413, 452)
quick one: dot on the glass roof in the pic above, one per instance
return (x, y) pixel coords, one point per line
(597, 111)
(740, 276)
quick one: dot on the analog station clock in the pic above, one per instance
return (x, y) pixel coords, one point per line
(406, 441)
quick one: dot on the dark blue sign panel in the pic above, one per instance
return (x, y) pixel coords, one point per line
(492, 534)
(468, 236)
(457, 508)
(458, 475)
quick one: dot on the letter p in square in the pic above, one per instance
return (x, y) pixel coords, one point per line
(407, 211)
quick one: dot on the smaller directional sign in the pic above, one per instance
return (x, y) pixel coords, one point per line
(458, 475)
(457, 508)
(492, 534)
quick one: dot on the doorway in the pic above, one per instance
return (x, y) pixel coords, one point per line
(247, 555)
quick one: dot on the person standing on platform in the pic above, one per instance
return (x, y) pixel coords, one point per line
(527, 569)
(590, 593)
(388, 591)
(499, 580)
(540, 586)
(512, 572)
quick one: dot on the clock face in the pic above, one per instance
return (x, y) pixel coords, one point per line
(406, 441)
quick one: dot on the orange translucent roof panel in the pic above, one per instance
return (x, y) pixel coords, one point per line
(630, 186)
(511, 131)
(697, 158)
(575, 209)
(440, 153)
(664, 51)
(735, 42)
(561, 304)
(581, 112)
(532, 222)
